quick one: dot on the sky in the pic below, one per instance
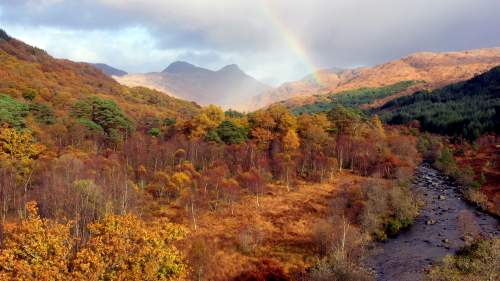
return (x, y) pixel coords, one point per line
(273, 40)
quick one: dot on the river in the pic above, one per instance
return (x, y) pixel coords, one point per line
(436, 232)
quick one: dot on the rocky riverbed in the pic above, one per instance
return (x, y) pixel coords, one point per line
(438, 230)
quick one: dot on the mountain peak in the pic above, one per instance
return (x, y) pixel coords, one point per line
(4, 35)
(231, 68)
(179, 67)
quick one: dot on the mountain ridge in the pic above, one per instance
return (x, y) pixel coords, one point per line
(109, 70)
(435, 68)
(229, 86)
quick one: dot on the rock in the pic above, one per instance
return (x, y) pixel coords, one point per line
(431, 222)
(445, 240)
(442, 197)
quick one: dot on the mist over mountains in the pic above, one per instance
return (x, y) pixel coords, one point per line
(228, 87)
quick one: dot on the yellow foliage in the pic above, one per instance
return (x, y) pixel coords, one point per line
(210, 117)
(377, 123)
(120, 248)
(181, 179)
(35, 249)
(125, 248)
(291, 141)
(18, 146)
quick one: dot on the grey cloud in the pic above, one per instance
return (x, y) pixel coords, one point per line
(254, 32)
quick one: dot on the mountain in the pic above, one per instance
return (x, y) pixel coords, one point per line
(228, 87)
(109, 70)
(469, 109)
(50, 88)
(435, 69)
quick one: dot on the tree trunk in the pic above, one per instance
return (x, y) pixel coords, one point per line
(192, 213)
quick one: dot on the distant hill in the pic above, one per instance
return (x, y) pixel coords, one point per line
(467, 109)
(358, 98)
(436, 69)
(228, 87)
(109, 70)
(40, 87)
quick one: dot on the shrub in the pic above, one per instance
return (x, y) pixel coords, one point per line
(479, 261)
(29, 94)
(323, 236)
(337, 267)
(154, 132)
(250, 239)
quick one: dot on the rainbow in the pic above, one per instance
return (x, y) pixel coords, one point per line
(293, 42)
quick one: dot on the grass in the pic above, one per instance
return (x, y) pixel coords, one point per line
(284, 219)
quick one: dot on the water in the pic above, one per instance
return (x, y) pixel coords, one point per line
(437, 231)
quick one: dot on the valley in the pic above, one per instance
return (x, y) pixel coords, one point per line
(387, 170)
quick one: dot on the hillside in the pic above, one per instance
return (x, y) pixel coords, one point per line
(436, 69)
(228, 87)
(52, 87)
(357, 98)
(469, 109)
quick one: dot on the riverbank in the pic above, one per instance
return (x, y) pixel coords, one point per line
(438, 230)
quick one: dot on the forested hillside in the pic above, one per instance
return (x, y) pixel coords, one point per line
(46, 90)
(352, 98)
(467, 109)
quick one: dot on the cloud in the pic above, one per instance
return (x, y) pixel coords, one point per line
(275, 40)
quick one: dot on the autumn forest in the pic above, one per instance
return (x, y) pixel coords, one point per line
(101, 181)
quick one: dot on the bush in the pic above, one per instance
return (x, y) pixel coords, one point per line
(250, 239)
(479, 261)
(323, 236)
(29, 94)
(154, 132)
(338, 268)
(387, 210)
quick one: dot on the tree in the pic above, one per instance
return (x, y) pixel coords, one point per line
(18, 150)
(291, 143)
(103, 115)
(36, 249)
(125, 248)
(12, 112)
(345, 120)
(375, 121)
(18, 146)
(209, 118)
(230, 133)
(254, 181)
(231, 189)
(271, 123)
